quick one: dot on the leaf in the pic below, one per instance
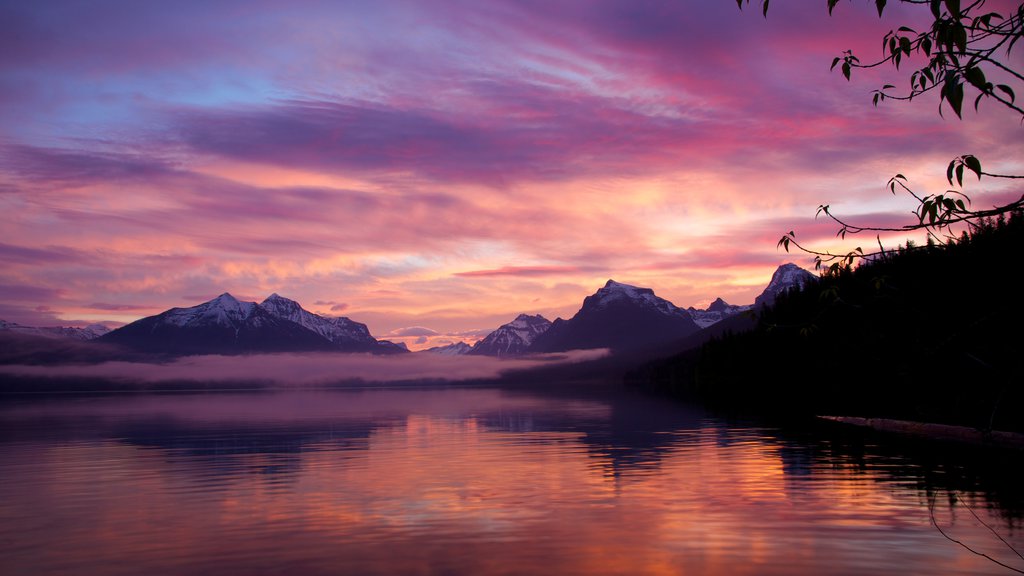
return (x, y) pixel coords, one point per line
(764, 12)
(954, 93)
(1007, 90)
(954, 8)
(846, 70)
(960, 37)
(905, 45)
(834, 62)
(949, 172)
(960, 175)
(831, 5)
(936, 8)
(973, 164)
(880, 4)
(975, 76)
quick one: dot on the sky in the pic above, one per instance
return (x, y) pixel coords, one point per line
(435, 169)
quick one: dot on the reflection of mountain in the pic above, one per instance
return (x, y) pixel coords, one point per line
(638, 432)
(215, 439)
(226, 450)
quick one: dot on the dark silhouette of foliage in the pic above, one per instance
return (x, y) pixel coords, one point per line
(925, 333)
(967, 48)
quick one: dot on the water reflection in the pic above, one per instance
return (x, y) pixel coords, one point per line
(466, 481)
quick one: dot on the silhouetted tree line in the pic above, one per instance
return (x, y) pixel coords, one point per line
(929, 333)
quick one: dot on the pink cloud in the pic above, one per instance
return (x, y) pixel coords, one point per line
(521, 271)
(418, 178)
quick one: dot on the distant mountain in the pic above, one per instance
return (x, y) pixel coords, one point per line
(718, 310)
(620, 317)
(88, 333)
(225, 325)
(389, 347)
(786, 277)
(221, 326)
(346, 335)
(456, 349)
(514, 338)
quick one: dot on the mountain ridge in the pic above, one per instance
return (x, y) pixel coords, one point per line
(226, 325)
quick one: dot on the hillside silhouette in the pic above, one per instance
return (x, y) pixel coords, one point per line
(929, 333)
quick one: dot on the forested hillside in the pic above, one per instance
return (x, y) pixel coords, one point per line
(929, 333)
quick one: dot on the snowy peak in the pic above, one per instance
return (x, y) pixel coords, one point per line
(514, 338)
(620, 317)
(277, 302)
(718, 310)
(527, 322)
(341, 331)
(616, 293)
(456, 349)
(786, 277)
(224, 310)
(226, 325)
(718, 305)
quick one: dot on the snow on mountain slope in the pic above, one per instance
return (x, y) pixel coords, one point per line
(88, 333)
(514, 338)
(337, 330)
(718, 310)
(620, 317)
(617, 293)
(786, 277)
(456, 349)
(224, 310)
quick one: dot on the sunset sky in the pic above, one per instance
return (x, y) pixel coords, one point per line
(443, 165)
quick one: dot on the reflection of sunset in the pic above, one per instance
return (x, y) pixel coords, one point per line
(492, 489)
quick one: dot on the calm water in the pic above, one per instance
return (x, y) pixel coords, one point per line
(475, 481)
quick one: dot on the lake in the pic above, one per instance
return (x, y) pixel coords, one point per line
(464, 480)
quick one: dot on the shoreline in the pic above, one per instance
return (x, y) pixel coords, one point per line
(961, 434)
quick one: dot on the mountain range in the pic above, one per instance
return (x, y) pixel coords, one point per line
(625, 318)
(87, 333)
(226, 325)
(618, 316)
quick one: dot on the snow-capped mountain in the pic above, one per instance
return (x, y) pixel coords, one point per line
(718, 310)
(226, 325)
(615, 293)
(786, 277)
(88, 333)
(620, 317)
(224, 311)
(514, 338)
(345, 334)
(223, 325)
(456, 349)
